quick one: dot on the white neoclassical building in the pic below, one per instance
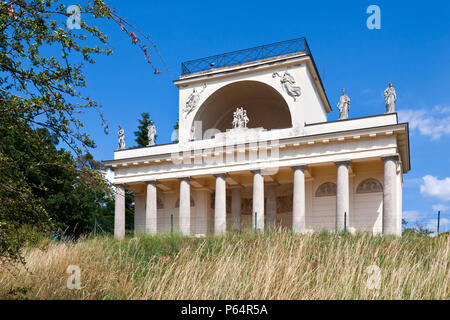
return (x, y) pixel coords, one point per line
(256, 150)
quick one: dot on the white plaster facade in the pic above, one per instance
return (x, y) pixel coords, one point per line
(303, 172)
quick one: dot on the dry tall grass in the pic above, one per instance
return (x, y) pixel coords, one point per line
(274, 265)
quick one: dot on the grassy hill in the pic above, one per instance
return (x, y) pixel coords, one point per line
(273, 265)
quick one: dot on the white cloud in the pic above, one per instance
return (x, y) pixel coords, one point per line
(412, 182)
(434, 123)
(440, 207)
(411, 216)
(441, 110)
(433, 187)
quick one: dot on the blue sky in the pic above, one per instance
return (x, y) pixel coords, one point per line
(412, 49)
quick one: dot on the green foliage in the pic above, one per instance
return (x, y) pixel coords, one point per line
(142, 132)
(57, 184)
(42, 89)
(20, 204)
(418, 229)
(176, 127)
(41, 79)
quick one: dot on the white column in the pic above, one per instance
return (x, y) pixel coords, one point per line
(271, 206)
(151, 209)
(309, 203)
(185, 206)
(299, 203)
(236, 208)
(258, 200)
(220, 206)
(390, 196)
(399, 198)
(139, 212)
(119, 212)
(342, 194)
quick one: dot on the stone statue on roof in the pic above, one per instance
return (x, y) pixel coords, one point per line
(390, 97)
(121, 135)
(151, 134)
(343, 106)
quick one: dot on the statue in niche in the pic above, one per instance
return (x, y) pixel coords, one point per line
(390, 97)
(343, 106)
(192, 101)
(151, 134)
(121, 135)
(288, 83)
(240, 118)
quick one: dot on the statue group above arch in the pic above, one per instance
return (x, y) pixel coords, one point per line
(240, 118)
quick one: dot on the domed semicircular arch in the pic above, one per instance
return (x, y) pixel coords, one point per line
(264, 105)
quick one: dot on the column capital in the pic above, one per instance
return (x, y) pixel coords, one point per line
(257, 171)
(343, 163)
(221, 175)
(120, 188)
(393, 157)
(188, 179)
(302, 167)
(152, 183)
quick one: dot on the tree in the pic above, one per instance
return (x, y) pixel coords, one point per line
(41, 83)
(68, 202)
(105, 215)
(142, 132)
(175, 128)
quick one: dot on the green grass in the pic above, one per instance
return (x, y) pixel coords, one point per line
(273, 265)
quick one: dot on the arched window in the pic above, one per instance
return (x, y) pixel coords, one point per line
(327, 189)
(369, 186)
(177, 204)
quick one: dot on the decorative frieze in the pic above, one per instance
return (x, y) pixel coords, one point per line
(327, 189)
(192, 101)
(369, 186)
(288, 84)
